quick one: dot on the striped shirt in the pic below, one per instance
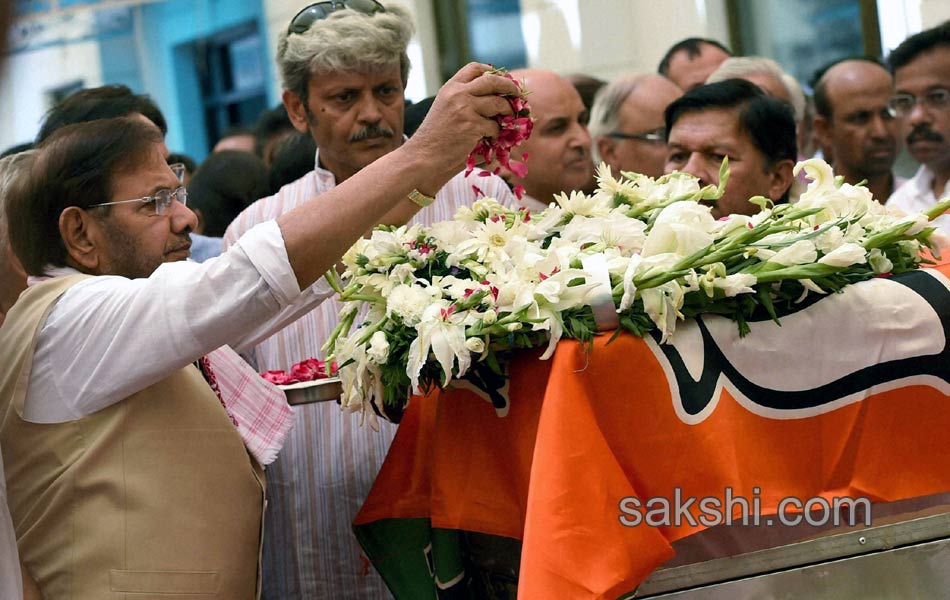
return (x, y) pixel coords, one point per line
(328, 463)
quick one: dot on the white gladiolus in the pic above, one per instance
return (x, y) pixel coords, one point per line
(845, 255)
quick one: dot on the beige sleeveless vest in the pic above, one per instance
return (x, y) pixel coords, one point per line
(153, 498)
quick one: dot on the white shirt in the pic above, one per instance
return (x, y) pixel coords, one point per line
(328, 462)
(109, 337)
(916, 195)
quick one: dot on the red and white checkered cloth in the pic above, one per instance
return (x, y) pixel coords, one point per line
(257, 407)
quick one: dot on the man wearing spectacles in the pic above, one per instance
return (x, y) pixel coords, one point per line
(128, 472)
(853, 119)
(344, 68)
(921, 102)
(626, 124)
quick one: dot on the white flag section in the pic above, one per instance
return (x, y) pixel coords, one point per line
(872, 337)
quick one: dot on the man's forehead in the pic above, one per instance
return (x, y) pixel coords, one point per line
(930, 67)
(356, 76)
(707, 127)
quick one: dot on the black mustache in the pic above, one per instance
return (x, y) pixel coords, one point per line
(924, 134)
(371, 131)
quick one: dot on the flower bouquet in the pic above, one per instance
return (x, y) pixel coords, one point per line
(455, 301)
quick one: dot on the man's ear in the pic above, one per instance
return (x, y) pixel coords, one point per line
(822, 130)
(780, 178)
(605, 149)
(297, 111)
(82, 238)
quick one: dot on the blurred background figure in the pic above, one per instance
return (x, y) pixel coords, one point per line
(226, 183)
(272, 127)
(587, 86)
(12, 275)
(189, 164)
(853, 120)
(237, 138)
(688, 63)
(768, 75)
(293, 158)
(104, 102)
(627, 125)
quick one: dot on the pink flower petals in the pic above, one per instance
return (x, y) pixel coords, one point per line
(515, 129)
(306, 370)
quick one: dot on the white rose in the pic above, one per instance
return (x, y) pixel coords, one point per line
(378, 351)
(475, 344)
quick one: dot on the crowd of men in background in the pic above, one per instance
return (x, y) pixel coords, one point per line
(343, 116)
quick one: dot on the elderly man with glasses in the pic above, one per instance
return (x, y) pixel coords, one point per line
(344, 68)
(129, 471)
(921, 102)
(626, 124)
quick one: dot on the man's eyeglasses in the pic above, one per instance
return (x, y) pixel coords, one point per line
(162, 199)
(657, 136)
(903, 104)
(320, 10)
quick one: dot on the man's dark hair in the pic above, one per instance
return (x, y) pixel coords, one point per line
(227, 182)
(294, 157)
(270, 124)
(693, 47)
(76, 166)
(919, 43)
(769, 122)
(820, 85)
(106, 102)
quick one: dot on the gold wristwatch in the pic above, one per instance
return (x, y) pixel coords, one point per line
(420, 199)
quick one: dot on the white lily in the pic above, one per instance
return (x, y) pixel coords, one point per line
(441, 330)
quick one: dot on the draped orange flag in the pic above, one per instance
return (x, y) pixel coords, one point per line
(848, 398)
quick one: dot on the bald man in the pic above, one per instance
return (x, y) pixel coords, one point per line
(559, 158)
(689, 62)
(627, 124)
(853, 119)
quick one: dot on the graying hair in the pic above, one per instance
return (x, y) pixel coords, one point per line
(347, 41)
(11, 168)
(605, 112)
(737, 67)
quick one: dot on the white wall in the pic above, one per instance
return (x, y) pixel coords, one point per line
(608, 38)
(29, 76)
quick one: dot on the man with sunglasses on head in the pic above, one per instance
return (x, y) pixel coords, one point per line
(626, 124)
(344, 68)
(921, 102)
(129, 471)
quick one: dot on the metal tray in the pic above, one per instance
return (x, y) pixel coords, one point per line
(308, 392)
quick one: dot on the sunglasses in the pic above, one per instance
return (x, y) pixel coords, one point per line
(321, 10)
